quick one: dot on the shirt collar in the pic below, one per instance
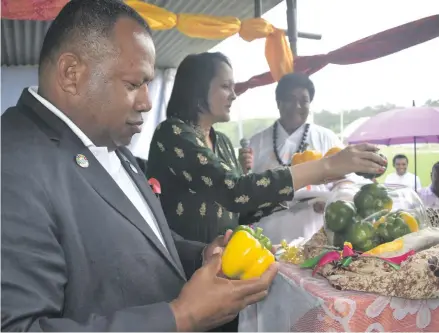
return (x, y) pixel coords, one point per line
(109, 160)
(75, 129)
(284, 133)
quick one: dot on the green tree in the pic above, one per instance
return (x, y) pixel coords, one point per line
(431, 102)
(323, 118)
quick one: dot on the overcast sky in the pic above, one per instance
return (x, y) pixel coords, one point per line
(412, 74)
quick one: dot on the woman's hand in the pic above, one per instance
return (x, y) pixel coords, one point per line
(354, 158)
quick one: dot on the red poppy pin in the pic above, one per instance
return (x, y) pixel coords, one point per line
(155, 186)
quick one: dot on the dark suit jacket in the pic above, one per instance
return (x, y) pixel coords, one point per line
(76, 254)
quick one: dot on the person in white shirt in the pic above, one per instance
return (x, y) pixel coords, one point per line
(402, 176)
(276, 145)
(430, 194)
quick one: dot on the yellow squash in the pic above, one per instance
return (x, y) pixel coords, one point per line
(247, 255)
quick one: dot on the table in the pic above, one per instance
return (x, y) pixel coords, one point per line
(298, 302)
(298, 221)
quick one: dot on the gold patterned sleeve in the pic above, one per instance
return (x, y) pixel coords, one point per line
(180, 148)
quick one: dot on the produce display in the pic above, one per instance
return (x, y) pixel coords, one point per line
(247, 255)
(368, 217)
(345, 257)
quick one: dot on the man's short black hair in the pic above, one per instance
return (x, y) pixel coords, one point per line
(399, 157)
(292, 81)
(191, 85)
(83, 23)
(435, 166)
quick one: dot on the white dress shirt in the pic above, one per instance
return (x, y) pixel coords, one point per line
(318, 138)
(429, 199)
(408, 179)
(300, 220)
(112, 164)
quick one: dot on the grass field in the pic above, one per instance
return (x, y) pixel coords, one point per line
(426, 155)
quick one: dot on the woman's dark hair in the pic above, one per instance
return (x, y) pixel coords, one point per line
(292, 81)
(191, 86)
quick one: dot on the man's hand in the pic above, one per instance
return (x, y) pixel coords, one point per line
(246, 159)
(219, 242)
(208, 301)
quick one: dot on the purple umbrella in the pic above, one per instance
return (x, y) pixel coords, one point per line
(410, 125)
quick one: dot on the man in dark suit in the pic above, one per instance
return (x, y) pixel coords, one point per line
(85, 244)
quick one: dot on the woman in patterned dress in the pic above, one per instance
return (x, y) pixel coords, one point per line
(203, 188)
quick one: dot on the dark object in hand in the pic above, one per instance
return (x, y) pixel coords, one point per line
(374, 175)
(433, 265)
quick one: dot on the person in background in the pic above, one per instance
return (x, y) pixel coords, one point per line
(402, 176)
(203, 189)
(276, 145)
(430, 194)
(291, 133)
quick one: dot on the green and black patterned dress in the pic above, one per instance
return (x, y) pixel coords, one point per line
(204, 191)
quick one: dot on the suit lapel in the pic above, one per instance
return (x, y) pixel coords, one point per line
(154, 204)
(95, 174)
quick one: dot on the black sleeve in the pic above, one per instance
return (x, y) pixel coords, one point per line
(177, 145)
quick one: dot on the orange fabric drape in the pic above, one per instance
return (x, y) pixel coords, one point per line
(277, 50)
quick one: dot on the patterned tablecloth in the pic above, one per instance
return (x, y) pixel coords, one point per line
(299, 302)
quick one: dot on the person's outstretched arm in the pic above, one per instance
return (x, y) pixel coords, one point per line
(176, 145)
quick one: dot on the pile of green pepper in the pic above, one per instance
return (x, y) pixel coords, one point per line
(392, 227)
(353, 221)
(371, 199)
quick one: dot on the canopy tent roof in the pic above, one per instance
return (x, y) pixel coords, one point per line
(22, 40)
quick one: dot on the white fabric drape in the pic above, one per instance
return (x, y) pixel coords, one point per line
(13, 80)
(159, 91)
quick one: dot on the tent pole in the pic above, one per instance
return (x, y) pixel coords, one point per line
(292, 25)
(416, 168)
(258, 8)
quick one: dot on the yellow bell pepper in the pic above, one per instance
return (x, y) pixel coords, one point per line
(376, 224)
(393, 246)
(247, 255)
(410, 220)
(332, 151)
(306, 156)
